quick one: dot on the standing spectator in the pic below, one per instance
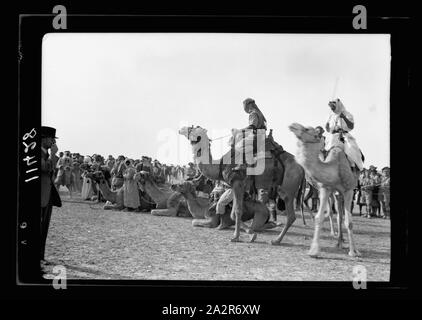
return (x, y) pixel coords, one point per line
(375, 182)
(385, 190)
(146, 164)
(64, 175)
(117, 173)
(56, 169)
(110, 159)
(77, 179)
(110, 164)
(361, 200)
(157, 172)
(49, 195)
(190, 171)
(87, 185)
(130, 185)
(366, 189)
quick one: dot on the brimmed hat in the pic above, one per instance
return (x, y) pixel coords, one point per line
(48, 132)
(385, 169)
(372, 168)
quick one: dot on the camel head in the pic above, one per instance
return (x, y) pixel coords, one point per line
(186, 187)
(202, 183)
(97, 176)
(143, 176)
(193, 134)
(305, 134)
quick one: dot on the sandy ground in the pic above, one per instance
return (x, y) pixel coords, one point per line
(96, 244)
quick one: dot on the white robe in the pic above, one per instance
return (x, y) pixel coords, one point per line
(350, 146)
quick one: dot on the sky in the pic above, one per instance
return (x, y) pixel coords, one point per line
(129, 94)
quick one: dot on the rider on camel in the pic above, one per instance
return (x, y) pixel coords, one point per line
(339, 125)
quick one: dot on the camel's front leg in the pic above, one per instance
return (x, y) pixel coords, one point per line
(291, 217)
(348, 196)
(319, 219)
(339, 200)
(330, 216)
(237, 209)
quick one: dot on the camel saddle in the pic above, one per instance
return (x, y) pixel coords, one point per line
(272, 151)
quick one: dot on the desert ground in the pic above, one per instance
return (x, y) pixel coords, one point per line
(93, 243)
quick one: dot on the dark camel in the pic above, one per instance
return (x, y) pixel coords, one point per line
(287, 179)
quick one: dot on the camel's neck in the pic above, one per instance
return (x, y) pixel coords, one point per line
(154, 192)
(107, 193)
(308, 157)
(203, 158)
(211, 171)
(194, 206)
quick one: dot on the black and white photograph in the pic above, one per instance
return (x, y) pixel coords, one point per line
(234, 152)
(137, 113)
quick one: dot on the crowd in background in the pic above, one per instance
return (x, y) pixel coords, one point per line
(72, 169)
(372, 193)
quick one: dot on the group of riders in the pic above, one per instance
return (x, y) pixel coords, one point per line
(72, 168)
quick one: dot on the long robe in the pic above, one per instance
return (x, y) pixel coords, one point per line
(77, 179)
(64, 175)
(87, 188)
(130, 185)
(350, 145)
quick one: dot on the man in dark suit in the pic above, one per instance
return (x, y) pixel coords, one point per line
(49, 195)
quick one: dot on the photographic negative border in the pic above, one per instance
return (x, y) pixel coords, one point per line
(32, 28)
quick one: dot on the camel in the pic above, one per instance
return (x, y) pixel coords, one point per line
(205, 215)
(114, 197)
(332, 175)
(286, 178)
(313, 184)
(169, 203)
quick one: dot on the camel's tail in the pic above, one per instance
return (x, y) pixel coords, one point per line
(300, 198)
